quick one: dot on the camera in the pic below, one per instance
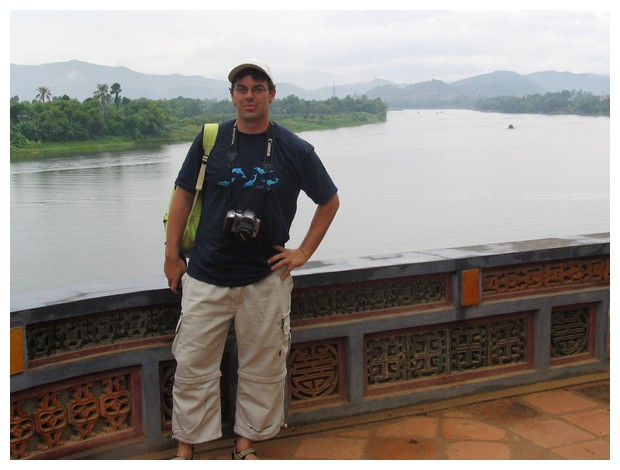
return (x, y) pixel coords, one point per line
(244, 224)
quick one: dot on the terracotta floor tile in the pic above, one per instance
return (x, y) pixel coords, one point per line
(559, 401)
(456, 428)
(363, 432)
(517, 428)
(476, 450)
(458, 413)
(331, 449)
(550, 433)
(522, 449)
(410, 428)
(214, 457)
(597, 391)
(502, 412)
(382, 449)
(591, 450)
(219, 455)
(278, 449)
(594, 421)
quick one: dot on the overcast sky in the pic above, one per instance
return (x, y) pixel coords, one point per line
(320, 47)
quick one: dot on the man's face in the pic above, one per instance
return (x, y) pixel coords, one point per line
(251, 99)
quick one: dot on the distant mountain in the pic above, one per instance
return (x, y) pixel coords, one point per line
(78, 79)
(558, 81)
(433, 93)
(323, 93)
(497, 84)
(464, 93)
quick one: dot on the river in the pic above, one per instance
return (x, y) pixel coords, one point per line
(423, 180)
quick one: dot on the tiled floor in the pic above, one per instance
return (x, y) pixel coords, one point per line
(570, 422)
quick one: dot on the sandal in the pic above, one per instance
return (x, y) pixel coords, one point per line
(242, 454)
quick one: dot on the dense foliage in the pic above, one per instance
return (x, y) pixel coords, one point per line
(564, 102)
(107, 115)
(63, 119)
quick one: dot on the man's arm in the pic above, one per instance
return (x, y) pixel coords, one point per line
(295, 258)
(174, 265)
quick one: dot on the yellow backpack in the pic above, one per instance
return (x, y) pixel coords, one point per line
(188, 239)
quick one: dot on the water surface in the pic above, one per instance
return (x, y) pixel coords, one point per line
(423, 180)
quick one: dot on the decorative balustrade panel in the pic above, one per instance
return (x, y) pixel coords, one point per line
(544, 276)
(166, 383)
(572, 333)
(443, 352)
(92, 333)
(316, 373)
(68, 417)
(364, 297)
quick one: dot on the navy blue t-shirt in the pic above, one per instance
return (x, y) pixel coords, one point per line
(271, 193)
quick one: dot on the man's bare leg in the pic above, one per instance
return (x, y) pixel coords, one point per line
(185, 451)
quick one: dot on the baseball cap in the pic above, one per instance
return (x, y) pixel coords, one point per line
(252, 64)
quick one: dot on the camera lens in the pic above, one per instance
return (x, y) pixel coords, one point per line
(244, 231)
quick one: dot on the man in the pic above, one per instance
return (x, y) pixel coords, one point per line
(240, 268)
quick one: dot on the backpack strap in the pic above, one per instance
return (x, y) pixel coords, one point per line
(208, 141)
(208, 137)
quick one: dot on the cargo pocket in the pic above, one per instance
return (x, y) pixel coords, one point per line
(286, 337)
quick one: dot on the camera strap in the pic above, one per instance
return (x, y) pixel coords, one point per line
(267, 165)
(269, 147)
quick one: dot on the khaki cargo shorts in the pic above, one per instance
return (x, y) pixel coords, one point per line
(261, 316)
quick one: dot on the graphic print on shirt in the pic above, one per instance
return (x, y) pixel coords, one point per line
(259, 179)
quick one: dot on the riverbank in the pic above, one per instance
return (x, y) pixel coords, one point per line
(184, 134)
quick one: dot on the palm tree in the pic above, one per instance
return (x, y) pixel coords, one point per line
(116, 90)
(44, 93)
(102, 94)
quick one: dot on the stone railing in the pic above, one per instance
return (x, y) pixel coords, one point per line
(93, 378)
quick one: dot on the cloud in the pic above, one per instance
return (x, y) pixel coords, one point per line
(316, 48)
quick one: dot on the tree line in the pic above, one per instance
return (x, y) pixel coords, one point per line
(106, 114)
(563, 102)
